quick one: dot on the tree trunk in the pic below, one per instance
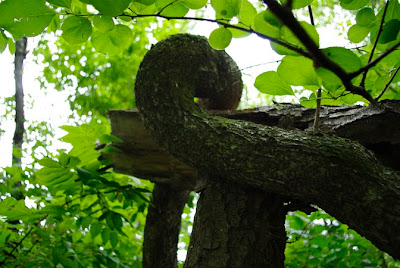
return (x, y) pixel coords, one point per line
(237, 226)
(338, 175)
(163, 223)
(20, 53)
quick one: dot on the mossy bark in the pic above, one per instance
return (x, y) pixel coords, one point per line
(339, 175)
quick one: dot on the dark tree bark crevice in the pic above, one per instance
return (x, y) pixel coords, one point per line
(337, 174)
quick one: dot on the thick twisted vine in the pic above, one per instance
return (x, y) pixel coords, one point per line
(338, 175)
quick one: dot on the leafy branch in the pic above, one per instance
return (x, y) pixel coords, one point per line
(286, 16)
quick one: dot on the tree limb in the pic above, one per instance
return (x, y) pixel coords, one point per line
(339, 175)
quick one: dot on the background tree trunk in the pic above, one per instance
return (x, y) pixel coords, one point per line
(20, 54)
(18, 139)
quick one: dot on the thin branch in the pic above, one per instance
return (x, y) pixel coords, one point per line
(375, 44)
(227, 25)
(22, 240)
(318, 106)
(260, 64)
(311, 15)
(375, 61)
(317, 112)
(388, 84)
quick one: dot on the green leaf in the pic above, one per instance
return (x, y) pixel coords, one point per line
(262, 26)
(365, 17)
(287, 34)
(171, 8)
(25, 17)
(226, 9)
(393, 11)
(329, 80)
(195, 4)
(117, 221)
(3, 41)
(103, 23)
(76, 30)
(271, 18)
(220, 38)
(298, 71)
(47, 162)
(271, 83)
(16, 210)
(144, 2)
(353, 4)
(344, 57)
(112, 42)
(95, 229)
(390, 31)
(111, 7)
(357, 33)
(105, 235)
(114, 239)
(247, 13)
(236, 33)
(60, 3)
(299, 3)
(11, 46)
(106, 138)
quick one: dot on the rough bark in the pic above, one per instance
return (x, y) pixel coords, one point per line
(20, 53)
(337, 174)
(163, 223)
(237, 226)
(142, 157)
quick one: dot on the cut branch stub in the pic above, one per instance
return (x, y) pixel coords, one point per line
(336, 174)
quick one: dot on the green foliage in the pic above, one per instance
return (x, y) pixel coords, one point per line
(76, 30)
(220, 38)
(319, 239)
(113, 37)
(271, 83)
(25, 17)
(86, 216)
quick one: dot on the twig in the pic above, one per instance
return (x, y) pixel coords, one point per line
(311, 15)
(22, 240)
(318, 107)
(375, 44)
(374, 62)
(226, 25)
(317, 112)
(388, 84)
(260, 64)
